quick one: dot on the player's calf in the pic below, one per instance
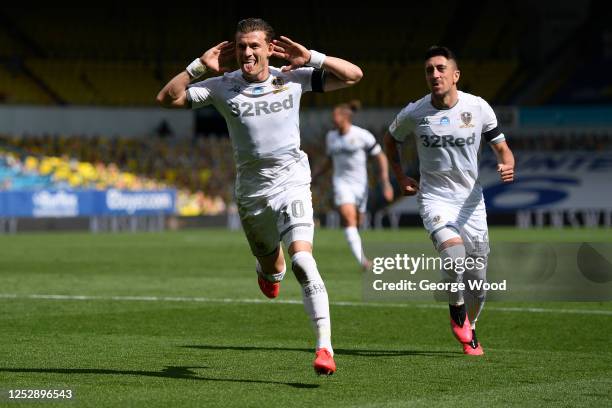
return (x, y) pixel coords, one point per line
(452, 253)
(474, 297)
(314, 295)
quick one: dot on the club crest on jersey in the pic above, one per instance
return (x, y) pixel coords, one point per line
(466, 118)
(445, 121)
(424, 122)
(279, 84)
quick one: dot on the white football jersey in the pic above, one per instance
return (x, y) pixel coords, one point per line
(349, 154)
(264, 126)
(448, 145)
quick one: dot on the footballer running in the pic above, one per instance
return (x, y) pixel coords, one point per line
(348, 147)
(447, 126)
(260, 104)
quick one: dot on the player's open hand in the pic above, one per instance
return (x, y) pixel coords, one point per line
(388, 191)
(506, 172)
(220, 57)
(408, 186)
(295, 53)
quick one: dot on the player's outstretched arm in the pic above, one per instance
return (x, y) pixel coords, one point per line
(408, 186)
(342, 73)
(174, 94)
(217, 59)
(383, 174)
(505, 161)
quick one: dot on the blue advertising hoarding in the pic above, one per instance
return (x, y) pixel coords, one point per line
(544, 180)
(67, 203)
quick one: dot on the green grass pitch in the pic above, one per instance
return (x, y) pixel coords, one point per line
(163, 347)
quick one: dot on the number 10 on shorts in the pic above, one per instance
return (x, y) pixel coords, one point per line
(297, 210)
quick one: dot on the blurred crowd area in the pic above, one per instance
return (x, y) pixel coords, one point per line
(38, 172)
(201, 169)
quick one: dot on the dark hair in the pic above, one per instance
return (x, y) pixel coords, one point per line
(255, 24)
(437, 50)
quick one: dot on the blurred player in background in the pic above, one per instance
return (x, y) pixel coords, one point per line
(260, 104)
(348, 147)
(448, 126)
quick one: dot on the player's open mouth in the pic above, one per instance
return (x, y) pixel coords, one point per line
(248, 65)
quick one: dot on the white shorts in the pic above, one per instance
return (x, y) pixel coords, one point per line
(470, 224)
(286, 216)
(345, 193)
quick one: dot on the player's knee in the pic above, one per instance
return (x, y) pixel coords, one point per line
(299, 246)
(304, 268)
(450, 243)
(446, 237)
(453, 262)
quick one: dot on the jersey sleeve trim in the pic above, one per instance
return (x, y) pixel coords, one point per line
(492, 134)
(498, 139)
(318, 80)
(374, 149)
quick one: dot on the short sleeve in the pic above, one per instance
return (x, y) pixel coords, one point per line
(489, 120)
(200, 93)
(303, 76)
(371, 145)
(403, 124)
(490, 131)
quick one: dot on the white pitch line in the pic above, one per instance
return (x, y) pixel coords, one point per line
(290, 302)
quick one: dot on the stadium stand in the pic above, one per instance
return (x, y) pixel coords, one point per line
(119, 56)
(17, 88)
(58, 56)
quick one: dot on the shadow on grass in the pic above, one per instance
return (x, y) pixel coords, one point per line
(341, 352)
(169, 372)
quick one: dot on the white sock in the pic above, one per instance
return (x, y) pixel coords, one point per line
(449, 275)
(475, 300)
(314, 296)
(474, 305)
(354, 241)
(275, 277)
